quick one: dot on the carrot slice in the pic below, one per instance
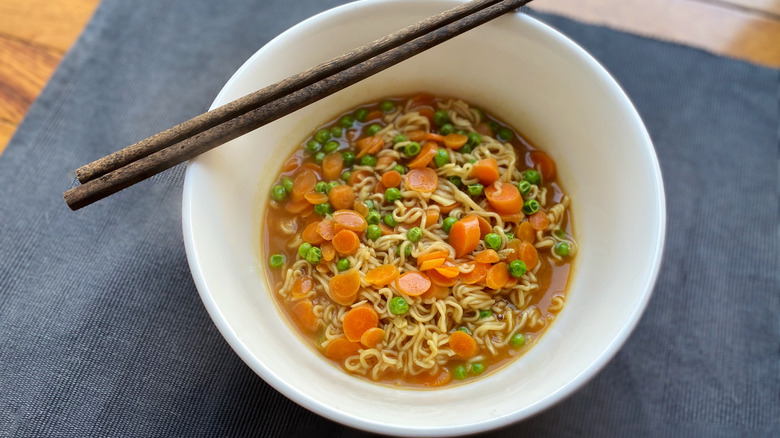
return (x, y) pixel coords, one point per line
(297, 206)
(386, 231)
(421, 99)
(487, 256)
(438, 138)
(328, 252)
(539, 221)
(413, 283)
(303, 312)
(464, 235)
(455, 141)
(441, 280)
(526, 232)
(512, 281)
(332, 165)
(372, 337)
(463, 344)
(369, 145)
(446, 209)
(431, 217)
(342, 197)
(391, 178)
(374, 115)
(344, 287)
(340, 349)
(425, 156)
(350, 220)
(416, 135)
(434, 380)
(477, 274)
(442, 253)
(448, 270)
(316, 198)
(484, 129)
(291, 164)
(426, 112)
(484, 227)
(346, 242)
(311, 235)
(358, 176)
(504, 198)
(486, 171)
(382, 275)
(325, 228)
(436, 291)
(544, 163)
(303, 183)
(431, 264)
(302, 285)
(497, 276)
(524, 251)
(360, 208)
(422, 180)
(358, 320)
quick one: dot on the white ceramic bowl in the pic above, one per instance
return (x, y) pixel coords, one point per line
(515, 67)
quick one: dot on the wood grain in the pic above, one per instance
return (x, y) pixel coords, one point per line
(54, 24)
(24, 70)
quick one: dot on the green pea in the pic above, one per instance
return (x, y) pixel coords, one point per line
(342, 265)
(398, 306)
(278, 193)
(322, 135)
(345, 176)
(387, 106)
(562, 249)
(313, 146)
(399, 138)
(390, 220)
(323, 209)
(373, 232)
(331, 185)
(276, 261)
(370, 204)
(560, 234)
(348, 158)
(321, 187)
(336, 131)
(517, 268)
(493, 241)
(314, 255)
(447, 224)
(441, 158)
(530, 206)
(465, 330)
(524, 187)
(465, 149)
(400, 169)
(287, 183)
(414, 234)
(330, 146)
(485, 313)
(494, 126)
(319, 156)
(373, 129)
(461, 132)
(474, 138)
(510, 236)
(477, 368)
(532, 176)
(304, 249)
(440, 117)
(459, 372)
(475, 189)
(455, 180)
(407, 250)
(373, 217)
(346, 121)
(446, 129)
(392, 194)
(361, 114)
(368, 160)
(517, 340)
(505, 134)
(412, 149)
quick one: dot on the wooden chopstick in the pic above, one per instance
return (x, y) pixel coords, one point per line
(177, 148)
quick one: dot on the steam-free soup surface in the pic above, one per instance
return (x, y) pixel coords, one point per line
(418, 241)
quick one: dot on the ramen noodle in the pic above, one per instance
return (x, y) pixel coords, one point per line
(418, 241)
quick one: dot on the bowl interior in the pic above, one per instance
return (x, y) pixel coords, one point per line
(514, 67)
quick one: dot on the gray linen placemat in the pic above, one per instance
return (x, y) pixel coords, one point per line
(102, 332)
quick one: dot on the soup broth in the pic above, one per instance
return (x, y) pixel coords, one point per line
(418, 241)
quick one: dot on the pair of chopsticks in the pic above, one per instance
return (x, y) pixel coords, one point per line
(166, 149)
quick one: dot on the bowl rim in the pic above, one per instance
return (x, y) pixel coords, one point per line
(327, 411)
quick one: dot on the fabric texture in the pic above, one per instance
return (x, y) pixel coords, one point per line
(102, 332)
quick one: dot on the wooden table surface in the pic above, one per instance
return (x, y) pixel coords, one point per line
(36, 34)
